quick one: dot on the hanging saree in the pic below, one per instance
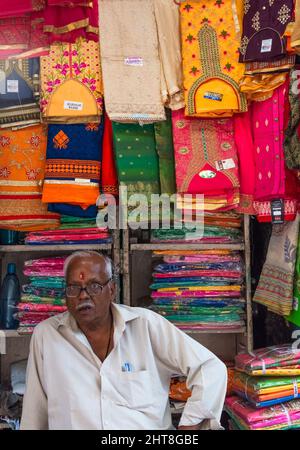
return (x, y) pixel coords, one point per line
(245, 148)
(206, 160)
(294, 317)
(109, 179)
(76, 22)
(22, 161)
(168, 29)
(268, 128)
(136, 158)
(264, 27)
(71, 174)
(275, 287)
(23, 37)
(295, 37)
(14, 8)
(130, 61)
(165, 151)
(292, 131)
(71, 85)
(20, 93)
(210, 42)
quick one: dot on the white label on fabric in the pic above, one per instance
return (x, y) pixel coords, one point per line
(134, 61)
(12, 86)
(75, 106)
(225, 164)
(82, 180)
(2, 82)
(266, 45)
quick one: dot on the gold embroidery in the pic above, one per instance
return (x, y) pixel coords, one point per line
(256, 21)
(284, 14)
(247, 6)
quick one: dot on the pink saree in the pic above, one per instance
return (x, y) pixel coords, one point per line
(14, 8)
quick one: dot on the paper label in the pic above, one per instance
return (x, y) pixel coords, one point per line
(225, 164)
(134, 61)
(82, 180)
(74, 106)
(277, 211)
(12, 86)
(266, 45)
(213, 96)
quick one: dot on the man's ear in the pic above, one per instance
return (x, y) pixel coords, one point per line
(113, 289)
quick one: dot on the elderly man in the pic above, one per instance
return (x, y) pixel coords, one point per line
(107, 366)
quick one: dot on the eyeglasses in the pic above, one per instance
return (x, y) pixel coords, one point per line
(94, 288)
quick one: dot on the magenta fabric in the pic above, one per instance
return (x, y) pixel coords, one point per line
(268, 136)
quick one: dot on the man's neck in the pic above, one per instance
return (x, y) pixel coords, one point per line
(99, 326)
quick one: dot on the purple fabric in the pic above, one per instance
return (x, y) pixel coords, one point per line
(264, 25)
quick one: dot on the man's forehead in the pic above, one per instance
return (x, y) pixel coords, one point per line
(87, 265)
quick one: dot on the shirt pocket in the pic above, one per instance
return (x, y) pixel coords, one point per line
(136, 388)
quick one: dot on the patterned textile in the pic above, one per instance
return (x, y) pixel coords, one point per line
(295, 38)
(264, 27)
(275, 287)
(280, 417)
(130, 61)
(292, 131)
(136, 158)
(23, 37)
(206, 160)
(71, 175)
(266, 391)
(168, 29)
(22, 163)
(211, 69)
(276, 360)
(14, 8)
(294, 317)
(71, 84)
(76, 21)
(268, 128)
(19, 99)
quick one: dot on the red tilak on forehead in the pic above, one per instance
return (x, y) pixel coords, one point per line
(81, 276)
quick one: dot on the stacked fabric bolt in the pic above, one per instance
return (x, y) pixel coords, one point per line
(209, 235)
(73, 230)
(43, 296)
(266, 385)
(280, 417)
(199, 290)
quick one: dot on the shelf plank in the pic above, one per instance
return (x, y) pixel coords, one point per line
(12, 334)
(168, 247)
(233, 331)
(52, 248)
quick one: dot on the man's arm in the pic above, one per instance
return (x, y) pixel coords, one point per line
(206, 374)
(35, 410)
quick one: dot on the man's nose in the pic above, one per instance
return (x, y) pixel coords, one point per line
(83, 294)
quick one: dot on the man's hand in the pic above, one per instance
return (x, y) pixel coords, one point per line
(189, 427)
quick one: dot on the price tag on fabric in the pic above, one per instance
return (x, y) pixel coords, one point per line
(82, 180)
(74, 106)
(134, 61)
(213, 96)
(277, 211)
(12, 86)
(266, 45)
(225, 164)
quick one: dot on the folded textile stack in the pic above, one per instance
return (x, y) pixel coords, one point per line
(199, 290)
(73, 230)
(266, 377)
(246, 417)
(43, 296)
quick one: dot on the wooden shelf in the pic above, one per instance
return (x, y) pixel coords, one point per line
(11, 333)
(52, 248)
(183, 246)
(233, 331)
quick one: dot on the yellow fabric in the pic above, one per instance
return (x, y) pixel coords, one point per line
(210, 58)
(260, 87)
(295, 35)
(71, 83)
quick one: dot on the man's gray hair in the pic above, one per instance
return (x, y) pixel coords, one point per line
(89, 254)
